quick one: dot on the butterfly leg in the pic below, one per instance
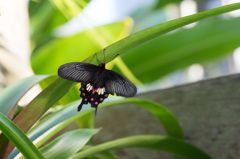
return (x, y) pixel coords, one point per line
(80, 106)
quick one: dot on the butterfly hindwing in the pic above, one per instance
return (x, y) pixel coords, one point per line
(77, 71)
(117, 83)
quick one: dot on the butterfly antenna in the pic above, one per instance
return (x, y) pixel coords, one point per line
(105, 57)
(115, 56)
(80, 106)
(97, 59)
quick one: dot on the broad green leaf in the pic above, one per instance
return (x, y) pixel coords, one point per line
(138, 38)
(18, 138)
(156, 142)
(11, 95)
(39, 105)
(165, 54)
(67, 144)
(75, 48)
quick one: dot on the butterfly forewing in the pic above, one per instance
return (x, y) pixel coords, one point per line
(77, 71)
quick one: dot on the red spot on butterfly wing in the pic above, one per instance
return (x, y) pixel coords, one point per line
(101, 99)
(105, 95)
(94, 91)
(96, 103)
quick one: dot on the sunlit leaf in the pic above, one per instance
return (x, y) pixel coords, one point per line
(46, 16)
(73, 48)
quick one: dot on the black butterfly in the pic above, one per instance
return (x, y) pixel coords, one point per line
(96, 82)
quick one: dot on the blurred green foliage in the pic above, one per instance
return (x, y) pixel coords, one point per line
(165, 54)
(162, 3)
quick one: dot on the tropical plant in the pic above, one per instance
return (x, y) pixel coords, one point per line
(49, 52)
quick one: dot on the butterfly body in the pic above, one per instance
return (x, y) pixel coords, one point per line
(96, 82)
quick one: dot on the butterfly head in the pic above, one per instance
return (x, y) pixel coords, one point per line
(102, 65)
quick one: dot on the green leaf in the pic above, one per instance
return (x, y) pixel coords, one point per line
(18, 138)
(11, 95)
(156, 142)
(162, 3)
(103, 155)
(50, 121)
(44, 18)
(39, 105)
(47, 15)
(74, 48)
(166, 118)
(53, 119)
(70, 96)
(67, 144)
(136, 39)
(69, 112)
(165, 54)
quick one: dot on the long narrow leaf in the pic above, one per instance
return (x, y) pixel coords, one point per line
(101, 155)
(11, 95)
(157, 142)
(68, 144)
(206, 41)
(69, 112)
(167, 119)
(140, 37)
(18, 138)
(38, 106)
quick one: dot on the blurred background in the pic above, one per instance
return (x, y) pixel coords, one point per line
(39, 36)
